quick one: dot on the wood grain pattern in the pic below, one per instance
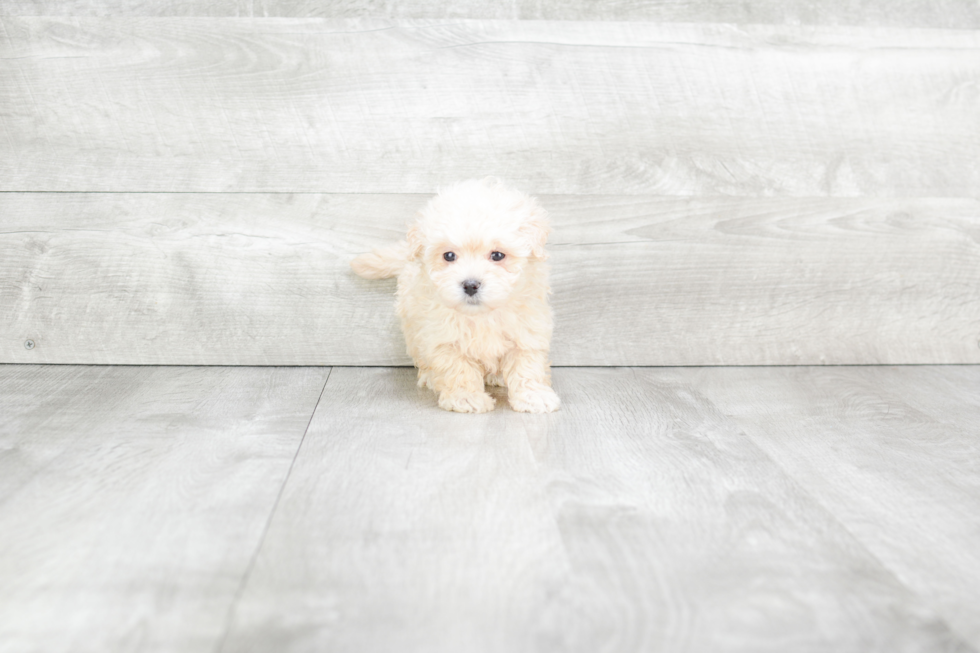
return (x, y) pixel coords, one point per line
(263, 279)
(891, 452)
(133, 499)
(409, 528)
(637, 518)
(370, 105)
(953, 14)
(818, 509)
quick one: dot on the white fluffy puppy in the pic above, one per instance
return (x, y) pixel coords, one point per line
(473, 296)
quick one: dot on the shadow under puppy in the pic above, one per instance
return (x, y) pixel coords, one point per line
(473, 296)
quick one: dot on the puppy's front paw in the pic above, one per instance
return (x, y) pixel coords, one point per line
(541, 399)
(466, 402)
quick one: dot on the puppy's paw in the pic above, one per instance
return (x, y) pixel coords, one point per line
(540, 399)
(466, 402)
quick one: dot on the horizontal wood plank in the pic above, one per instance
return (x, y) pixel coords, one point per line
(892, 452)
(370, 105)
(954, 14)
(637, 518)
(133, 499)
(238, 279)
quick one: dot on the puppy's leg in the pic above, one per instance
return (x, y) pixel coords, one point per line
(459, 383)
(495, 379)
(528, 378)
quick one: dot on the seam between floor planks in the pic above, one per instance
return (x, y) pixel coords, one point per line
(265, 529)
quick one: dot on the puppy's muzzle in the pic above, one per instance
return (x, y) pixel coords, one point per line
(471, 286)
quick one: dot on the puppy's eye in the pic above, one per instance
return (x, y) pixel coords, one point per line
(497, 256)
(449, 256)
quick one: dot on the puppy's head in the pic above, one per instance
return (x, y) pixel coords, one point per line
(475, 242)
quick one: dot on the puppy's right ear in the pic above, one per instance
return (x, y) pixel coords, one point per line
(416, 241)
(535, 232)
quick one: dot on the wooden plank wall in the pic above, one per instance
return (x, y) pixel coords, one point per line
(775, 184)
(953, 14)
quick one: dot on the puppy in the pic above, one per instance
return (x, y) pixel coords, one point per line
(473, 296)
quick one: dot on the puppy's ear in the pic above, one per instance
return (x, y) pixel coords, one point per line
(535, 232)
(416, 241)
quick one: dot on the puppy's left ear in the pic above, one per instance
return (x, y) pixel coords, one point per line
(416, 240)
(535, 232)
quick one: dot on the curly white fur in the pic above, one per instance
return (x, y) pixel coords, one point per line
(474, 320)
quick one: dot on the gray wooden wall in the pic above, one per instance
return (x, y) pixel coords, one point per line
(730, 183)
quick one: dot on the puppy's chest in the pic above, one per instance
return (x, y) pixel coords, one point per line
(486, 340)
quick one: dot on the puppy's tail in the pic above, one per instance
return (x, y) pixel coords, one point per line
(383, 262)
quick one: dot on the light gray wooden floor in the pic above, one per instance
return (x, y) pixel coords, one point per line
(662, 509)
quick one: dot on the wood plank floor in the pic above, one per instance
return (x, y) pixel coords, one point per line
(662, 509)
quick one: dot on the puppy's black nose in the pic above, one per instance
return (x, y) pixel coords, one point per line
(470, 286)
